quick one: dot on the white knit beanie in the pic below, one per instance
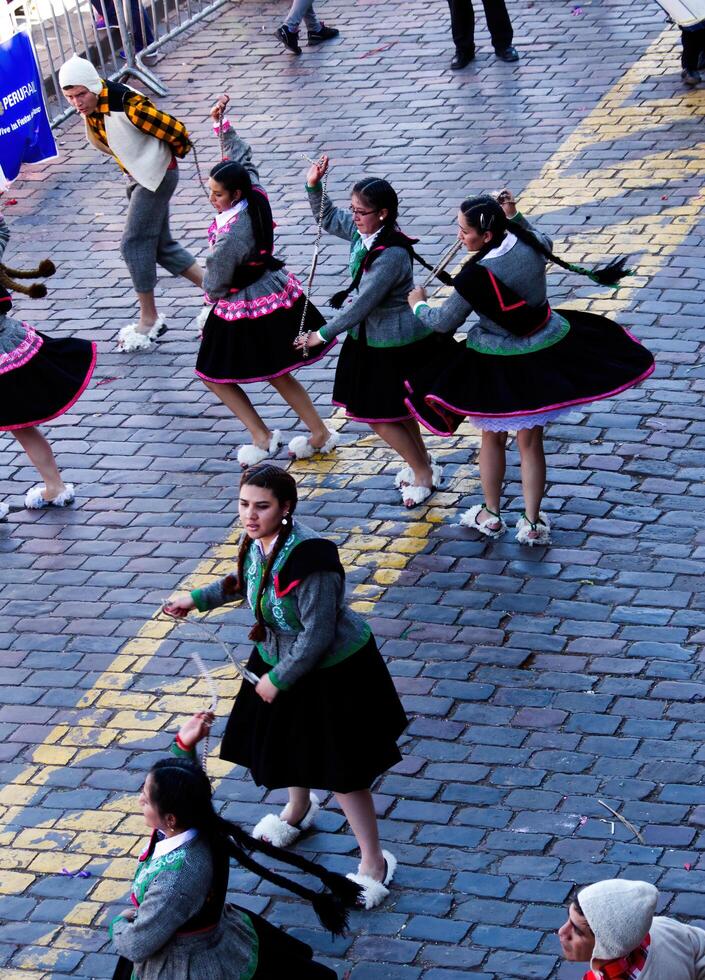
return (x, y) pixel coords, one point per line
(620, 913)
(78, 71)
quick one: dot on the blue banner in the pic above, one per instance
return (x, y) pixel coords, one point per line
(25, 134)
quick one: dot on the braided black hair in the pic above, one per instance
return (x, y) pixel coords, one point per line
(179, 787)
(37, 290)
(283, 486)
(234, 177)
(484, 213)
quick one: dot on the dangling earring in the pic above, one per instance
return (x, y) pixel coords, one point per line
(285, 520)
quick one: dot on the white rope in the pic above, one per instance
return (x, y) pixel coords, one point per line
(208, 677)
(314, 261)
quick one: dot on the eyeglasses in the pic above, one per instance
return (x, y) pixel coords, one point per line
(359, 213)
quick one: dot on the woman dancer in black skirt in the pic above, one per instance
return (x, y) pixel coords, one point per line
(385, 342)
(178, 925)
(523, 364)
(325, 712)
(40, 379)
(254, 307)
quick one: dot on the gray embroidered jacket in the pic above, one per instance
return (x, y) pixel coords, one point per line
(12, 331)
(234, 244)
(309, 626)
(521, 268)
(381, 300)
(172, 890)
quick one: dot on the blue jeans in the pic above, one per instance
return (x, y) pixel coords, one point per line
(302, 10)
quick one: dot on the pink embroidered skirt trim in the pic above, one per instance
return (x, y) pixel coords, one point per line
(250, 309)
(25, 350)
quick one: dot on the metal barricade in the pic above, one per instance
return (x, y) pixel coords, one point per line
(115, 35)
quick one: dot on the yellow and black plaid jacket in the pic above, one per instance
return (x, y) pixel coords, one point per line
(145, 116)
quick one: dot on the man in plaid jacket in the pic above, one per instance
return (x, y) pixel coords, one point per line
(145, 142)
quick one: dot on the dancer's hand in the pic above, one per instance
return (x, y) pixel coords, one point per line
(317, 171)
(129, 913)
(266, 690)
(218, 110)
(196, 728)
(505, 198)
(179, 605)
(308, 340)
(417, 295)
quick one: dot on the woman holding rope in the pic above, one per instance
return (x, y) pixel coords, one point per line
(523, 364)
(385, 342)
(324, 712)
(255, 307)
(40, 379)
(178, 925)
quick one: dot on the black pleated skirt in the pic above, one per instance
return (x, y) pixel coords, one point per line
(46, 385)
(335, 729)
(257, 349)
(597, 358)
(369, 381)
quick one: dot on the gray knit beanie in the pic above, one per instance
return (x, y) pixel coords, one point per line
(620, 913)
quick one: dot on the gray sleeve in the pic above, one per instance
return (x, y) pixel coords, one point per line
(448, 317)
(230, 250)
(335, 221)
(171, 899)
(519, 219)
(4, 235)
(216, 594)
(237, 150)
(317, 599)
(391, 268)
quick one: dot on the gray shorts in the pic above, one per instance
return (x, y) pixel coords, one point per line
(146, 240)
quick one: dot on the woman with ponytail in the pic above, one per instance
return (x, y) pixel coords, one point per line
(523, 364)
(325, 712)
(385, 342)
(254, 307)
(179, 926)
(40, 379)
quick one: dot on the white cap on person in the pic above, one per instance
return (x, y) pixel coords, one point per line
(620, 913)
(78, 71)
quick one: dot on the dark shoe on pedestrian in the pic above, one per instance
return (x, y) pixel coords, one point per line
(691, 77)
(322, 34)
(507, 54)
(462, 59)
(290, 39)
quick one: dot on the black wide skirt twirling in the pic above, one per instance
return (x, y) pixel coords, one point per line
(335, 729)
(47, 384)
(369, 381)
(597, 358)
(258, 348)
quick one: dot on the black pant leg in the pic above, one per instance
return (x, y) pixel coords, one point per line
(499, 24)
(462, 25)
(693, 45)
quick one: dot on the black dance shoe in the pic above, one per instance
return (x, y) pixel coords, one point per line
(462, 59)
(507, 54)
(322, 34)
(290, 39)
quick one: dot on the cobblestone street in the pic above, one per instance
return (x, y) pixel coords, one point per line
(538, 682)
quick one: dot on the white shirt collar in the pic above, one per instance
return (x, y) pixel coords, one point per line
(260, 545)
(367, 240)
(224, 216)
(168, 844)
(508, 242)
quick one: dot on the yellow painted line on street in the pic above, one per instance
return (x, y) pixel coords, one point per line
(114, 831)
